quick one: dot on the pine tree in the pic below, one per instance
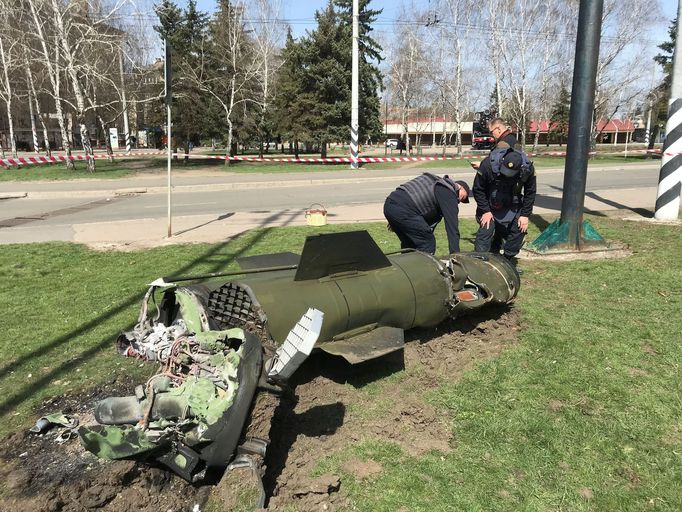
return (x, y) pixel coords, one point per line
(320, 65)
(293, 109)
(185, 31)
(558, 121)
(370, 126)
(658, 97)
(326, 74)
(666, 59)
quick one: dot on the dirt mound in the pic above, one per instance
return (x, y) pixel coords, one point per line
(327, 411)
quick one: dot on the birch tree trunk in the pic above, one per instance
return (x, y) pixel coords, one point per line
(458, 103)
(228, 118)
(75, 85)
(53, 74)
(107, 139)
(7, 95)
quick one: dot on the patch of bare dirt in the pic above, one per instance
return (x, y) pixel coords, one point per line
(614, 250)
(555, 406)
(327, 410)
(362, 469)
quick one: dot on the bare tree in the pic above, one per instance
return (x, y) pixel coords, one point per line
(36, 111)
(460, 17)
(6, 90)
(227, 65)
(407, 73)
(621, 67)
(39, 30)
(8, 64)
(268, 37)
(554, 67)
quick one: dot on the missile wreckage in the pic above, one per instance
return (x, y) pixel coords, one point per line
(223, 339)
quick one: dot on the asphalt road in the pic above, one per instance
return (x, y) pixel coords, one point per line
(264, 193)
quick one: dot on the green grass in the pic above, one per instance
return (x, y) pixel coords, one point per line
(584, 413)
(54, 172)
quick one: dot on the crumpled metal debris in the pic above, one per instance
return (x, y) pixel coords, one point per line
(45, 423)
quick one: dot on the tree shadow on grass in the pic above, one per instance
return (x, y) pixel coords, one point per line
(10, 401)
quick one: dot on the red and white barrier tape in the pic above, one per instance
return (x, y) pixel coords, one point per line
(29, 160)
(34, 160)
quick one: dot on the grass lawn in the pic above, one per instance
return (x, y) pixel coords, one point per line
(584, 413)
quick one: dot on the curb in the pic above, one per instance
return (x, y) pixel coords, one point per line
(13, 195)
(209, 187)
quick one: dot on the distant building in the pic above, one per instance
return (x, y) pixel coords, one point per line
(428, 131)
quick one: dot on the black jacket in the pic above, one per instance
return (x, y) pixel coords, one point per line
(484, 184)
(508, 138)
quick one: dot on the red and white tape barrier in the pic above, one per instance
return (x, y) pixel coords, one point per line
(35, 160)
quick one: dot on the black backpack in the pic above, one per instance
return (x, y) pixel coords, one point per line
(523, 171)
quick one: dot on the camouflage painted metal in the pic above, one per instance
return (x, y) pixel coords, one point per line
(216, 339)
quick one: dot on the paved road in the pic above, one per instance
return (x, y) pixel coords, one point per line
(86, 209)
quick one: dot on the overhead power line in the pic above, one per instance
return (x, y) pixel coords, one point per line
(476, 30)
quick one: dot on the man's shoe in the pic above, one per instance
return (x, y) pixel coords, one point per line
(515, 263)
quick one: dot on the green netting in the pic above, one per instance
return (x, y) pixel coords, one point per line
(556, 236)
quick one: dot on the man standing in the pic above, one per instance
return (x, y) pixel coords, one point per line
(415, 208)
(504, 189)
(504, 138)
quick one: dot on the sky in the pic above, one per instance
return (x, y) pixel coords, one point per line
(301, 14)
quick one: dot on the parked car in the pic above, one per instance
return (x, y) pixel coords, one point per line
(482, 141)
(392, 143)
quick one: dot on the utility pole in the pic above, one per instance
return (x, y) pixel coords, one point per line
(580, 118)
(355, 89)
(670, 177)
(169, 98)
(124, 104)
(570, 231)
(385, 126)
(647, 133)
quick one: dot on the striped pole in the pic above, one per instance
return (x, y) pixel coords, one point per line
(670, 177)
(124, 105)
(648, 126)
(354, 124)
